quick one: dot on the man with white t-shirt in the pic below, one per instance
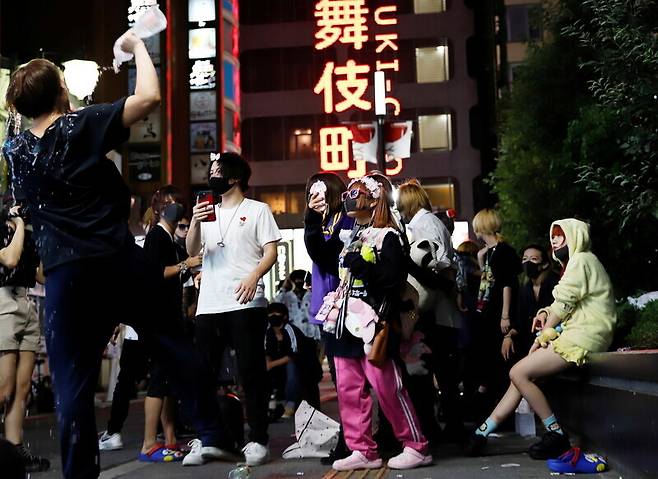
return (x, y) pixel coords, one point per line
(239, 247)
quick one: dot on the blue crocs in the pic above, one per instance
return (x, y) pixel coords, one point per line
(574, 461)
(159, 453)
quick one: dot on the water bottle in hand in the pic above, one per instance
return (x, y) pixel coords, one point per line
(151, 22)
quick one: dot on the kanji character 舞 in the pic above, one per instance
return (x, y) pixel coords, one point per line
(341, 20)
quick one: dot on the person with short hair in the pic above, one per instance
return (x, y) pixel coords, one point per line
(496, 306)
(239, 248)
(80, 207)
(439, 320)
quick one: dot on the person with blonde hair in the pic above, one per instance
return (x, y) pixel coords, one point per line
(496, 304)
(439, 319)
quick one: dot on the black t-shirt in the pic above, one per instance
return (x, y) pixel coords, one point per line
(505, 267)
(161, 251)
(78, 201)
(25, 271)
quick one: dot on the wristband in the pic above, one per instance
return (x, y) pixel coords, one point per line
(182, 267)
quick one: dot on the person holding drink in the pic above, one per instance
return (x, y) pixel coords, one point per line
(239, 238)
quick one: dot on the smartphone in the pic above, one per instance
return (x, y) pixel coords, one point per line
(210, 198)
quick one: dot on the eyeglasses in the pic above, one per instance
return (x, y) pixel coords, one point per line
(353, 194)
(183, 226)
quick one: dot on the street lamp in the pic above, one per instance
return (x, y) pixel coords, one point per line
(380, 113)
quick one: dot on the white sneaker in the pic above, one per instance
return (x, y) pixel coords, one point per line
(256, 454)
(200, 454)
(110, 442)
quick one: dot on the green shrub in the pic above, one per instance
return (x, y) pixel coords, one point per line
(644, 332)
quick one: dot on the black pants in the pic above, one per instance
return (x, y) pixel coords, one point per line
(244, 331)
(84, 300)
(446, 367)
(132, 368)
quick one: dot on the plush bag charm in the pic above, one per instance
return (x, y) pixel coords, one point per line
(330, 310)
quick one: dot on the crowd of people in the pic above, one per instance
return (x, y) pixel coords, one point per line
(399, 314)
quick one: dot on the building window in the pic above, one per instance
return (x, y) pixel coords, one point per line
(284, 200)
(301, 144)
(435, 132)
(524, 23)
(442, 195)
(429, 6)
(432, 64)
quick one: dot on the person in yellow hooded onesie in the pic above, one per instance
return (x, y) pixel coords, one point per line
(583, 311)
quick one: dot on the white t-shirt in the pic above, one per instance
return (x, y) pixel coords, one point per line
(244, 232)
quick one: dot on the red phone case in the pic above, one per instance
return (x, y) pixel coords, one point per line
(211, 200)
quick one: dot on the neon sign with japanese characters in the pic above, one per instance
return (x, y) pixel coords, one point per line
(343, 86)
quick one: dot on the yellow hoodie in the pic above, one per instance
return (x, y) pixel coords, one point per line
(584, 300)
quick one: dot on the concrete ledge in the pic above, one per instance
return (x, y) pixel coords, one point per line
(611, 407)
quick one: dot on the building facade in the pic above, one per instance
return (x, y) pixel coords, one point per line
(307, 75)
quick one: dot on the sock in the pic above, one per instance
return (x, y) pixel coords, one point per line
(552, 425)
(487, 427)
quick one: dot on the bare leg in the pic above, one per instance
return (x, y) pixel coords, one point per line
(507, 405)
(152, 411)
(543, 362)
(8, 360)
(168, 422)
(16, 411)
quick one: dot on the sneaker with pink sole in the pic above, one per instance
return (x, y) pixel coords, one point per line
(408, 459)
(356, 461)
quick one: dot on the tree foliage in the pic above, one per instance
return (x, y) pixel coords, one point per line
(579, 132)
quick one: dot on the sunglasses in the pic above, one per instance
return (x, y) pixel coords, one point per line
(353, 194)
(183, 226)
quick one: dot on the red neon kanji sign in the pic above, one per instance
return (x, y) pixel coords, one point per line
(341, 20)
(352, 87)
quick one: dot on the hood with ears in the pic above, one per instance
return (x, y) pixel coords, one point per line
(576, 234)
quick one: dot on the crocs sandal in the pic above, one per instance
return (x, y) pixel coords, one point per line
(160, 453)
(574, 461)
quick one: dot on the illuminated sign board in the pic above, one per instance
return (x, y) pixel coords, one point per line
(343, 86)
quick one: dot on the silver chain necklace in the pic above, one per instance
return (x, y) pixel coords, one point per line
(221, 243)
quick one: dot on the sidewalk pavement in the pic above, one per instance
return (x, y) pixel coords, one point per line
(506, 456)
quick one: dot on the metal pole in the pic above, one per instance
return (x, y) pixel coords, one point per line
(381, 150)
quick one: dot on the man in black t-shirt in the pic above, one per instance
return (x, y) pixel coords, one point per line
(80, 208)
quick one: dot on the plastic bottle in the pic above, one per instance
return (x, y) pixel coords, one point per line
(525, 420)
(151, 22)
(242, 472)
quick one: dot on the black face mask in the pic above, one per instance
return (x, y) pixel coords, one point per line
(350, 205)
(275, 320)
(219, 185)
(532, 270)
(173, 213)
(562, 254)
